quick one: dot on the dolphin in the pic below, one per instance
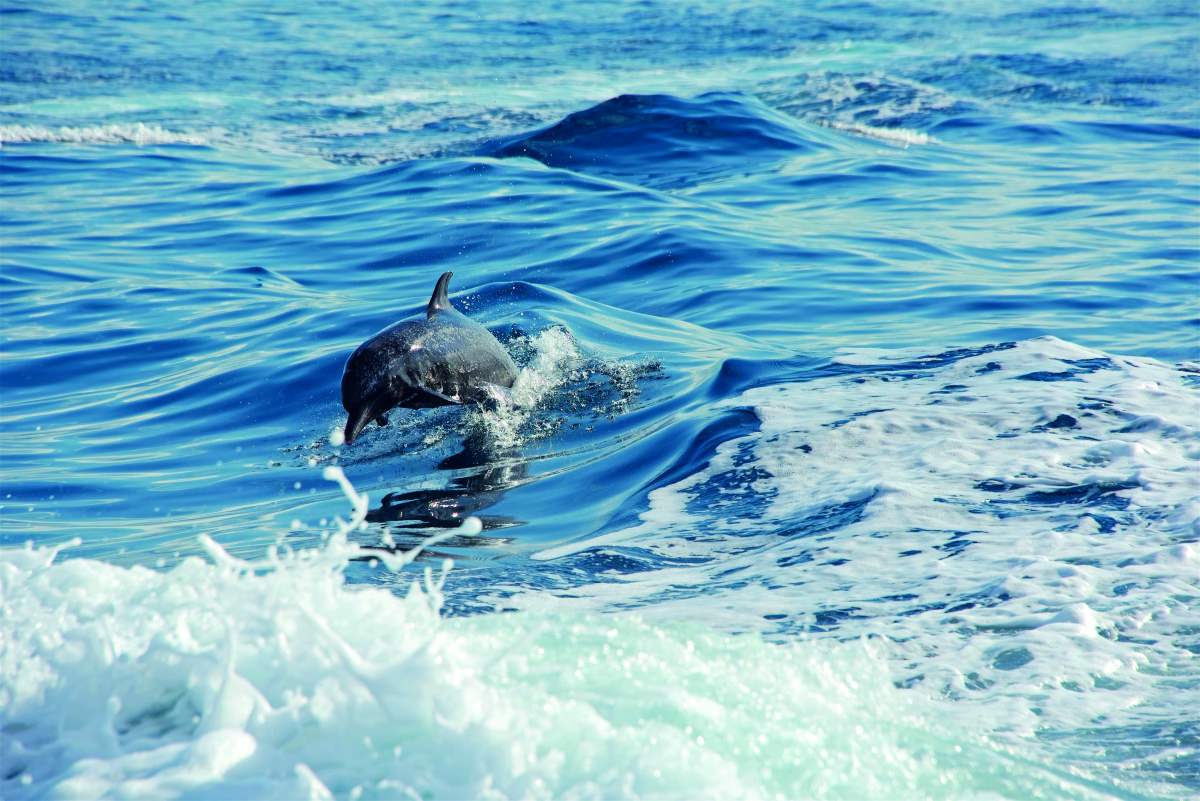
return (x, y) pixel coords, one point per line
(440, 358)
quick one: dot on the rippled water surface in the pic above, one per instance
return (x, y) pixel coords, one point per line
(855, 450)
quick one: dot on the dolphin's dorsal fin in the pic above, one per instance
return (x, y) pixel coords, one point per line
(439, 300)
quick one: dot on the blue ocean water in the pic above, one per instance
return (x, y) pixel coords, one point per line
(856, 450)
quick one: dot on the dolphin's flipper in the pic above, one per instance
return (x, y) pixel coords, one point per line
(433, 393)
(440, 299)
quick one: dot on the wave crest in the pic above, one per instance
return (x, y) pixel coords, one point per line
(664, 141)
(137, 133)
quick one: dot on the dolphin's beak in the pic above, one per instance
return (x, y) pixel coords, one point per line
(357, 422)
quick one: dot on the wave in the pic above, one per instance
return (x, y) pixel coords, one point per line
(665, 141)
(902, 136)
(136, 133)
(232, 679)
(1019, 505)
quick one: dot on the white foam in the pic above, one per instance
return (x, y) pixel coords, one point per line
(847, 510)
(228, 679)
(337, 437)
(136, 133)
(902, 136)
(555, 358)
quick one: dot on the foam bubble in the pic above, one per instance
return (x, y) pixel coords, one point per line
(136, 133)
(902, 136)
(1005, 518)
(555, 356)
(228, 679)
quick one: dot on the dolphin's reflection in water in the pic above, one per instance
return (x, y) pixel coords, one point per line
(407, 516)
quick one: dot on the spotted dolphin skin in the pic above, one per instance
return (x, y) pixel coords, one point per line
(437, 359)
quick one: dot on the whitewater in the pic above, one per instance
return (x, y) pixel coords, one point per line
(854, 452)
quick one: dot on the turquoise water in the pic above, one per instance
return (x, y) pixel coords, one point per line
(854, 453)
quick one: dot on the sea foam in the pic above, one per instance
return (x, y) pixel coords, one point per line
(221, 678)
(1015, 522)
(137, 133)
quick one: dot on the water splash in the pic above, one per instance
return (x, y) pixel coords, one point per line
(242, 679)
(553, 358)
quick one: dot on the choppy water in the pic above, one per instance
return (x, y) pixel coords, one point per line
(856, 451)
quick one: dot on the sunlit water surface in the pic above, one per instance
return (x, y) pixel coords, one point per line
(855, 451)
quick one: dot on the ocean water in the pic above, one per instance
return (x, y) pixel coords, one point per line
(855, 451)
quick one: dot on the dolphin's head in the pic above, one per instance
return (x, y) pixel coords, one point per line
(367, 388)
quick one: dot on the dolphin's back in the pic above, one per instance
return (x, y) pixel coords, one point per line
(456, 358)
(439, 359)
